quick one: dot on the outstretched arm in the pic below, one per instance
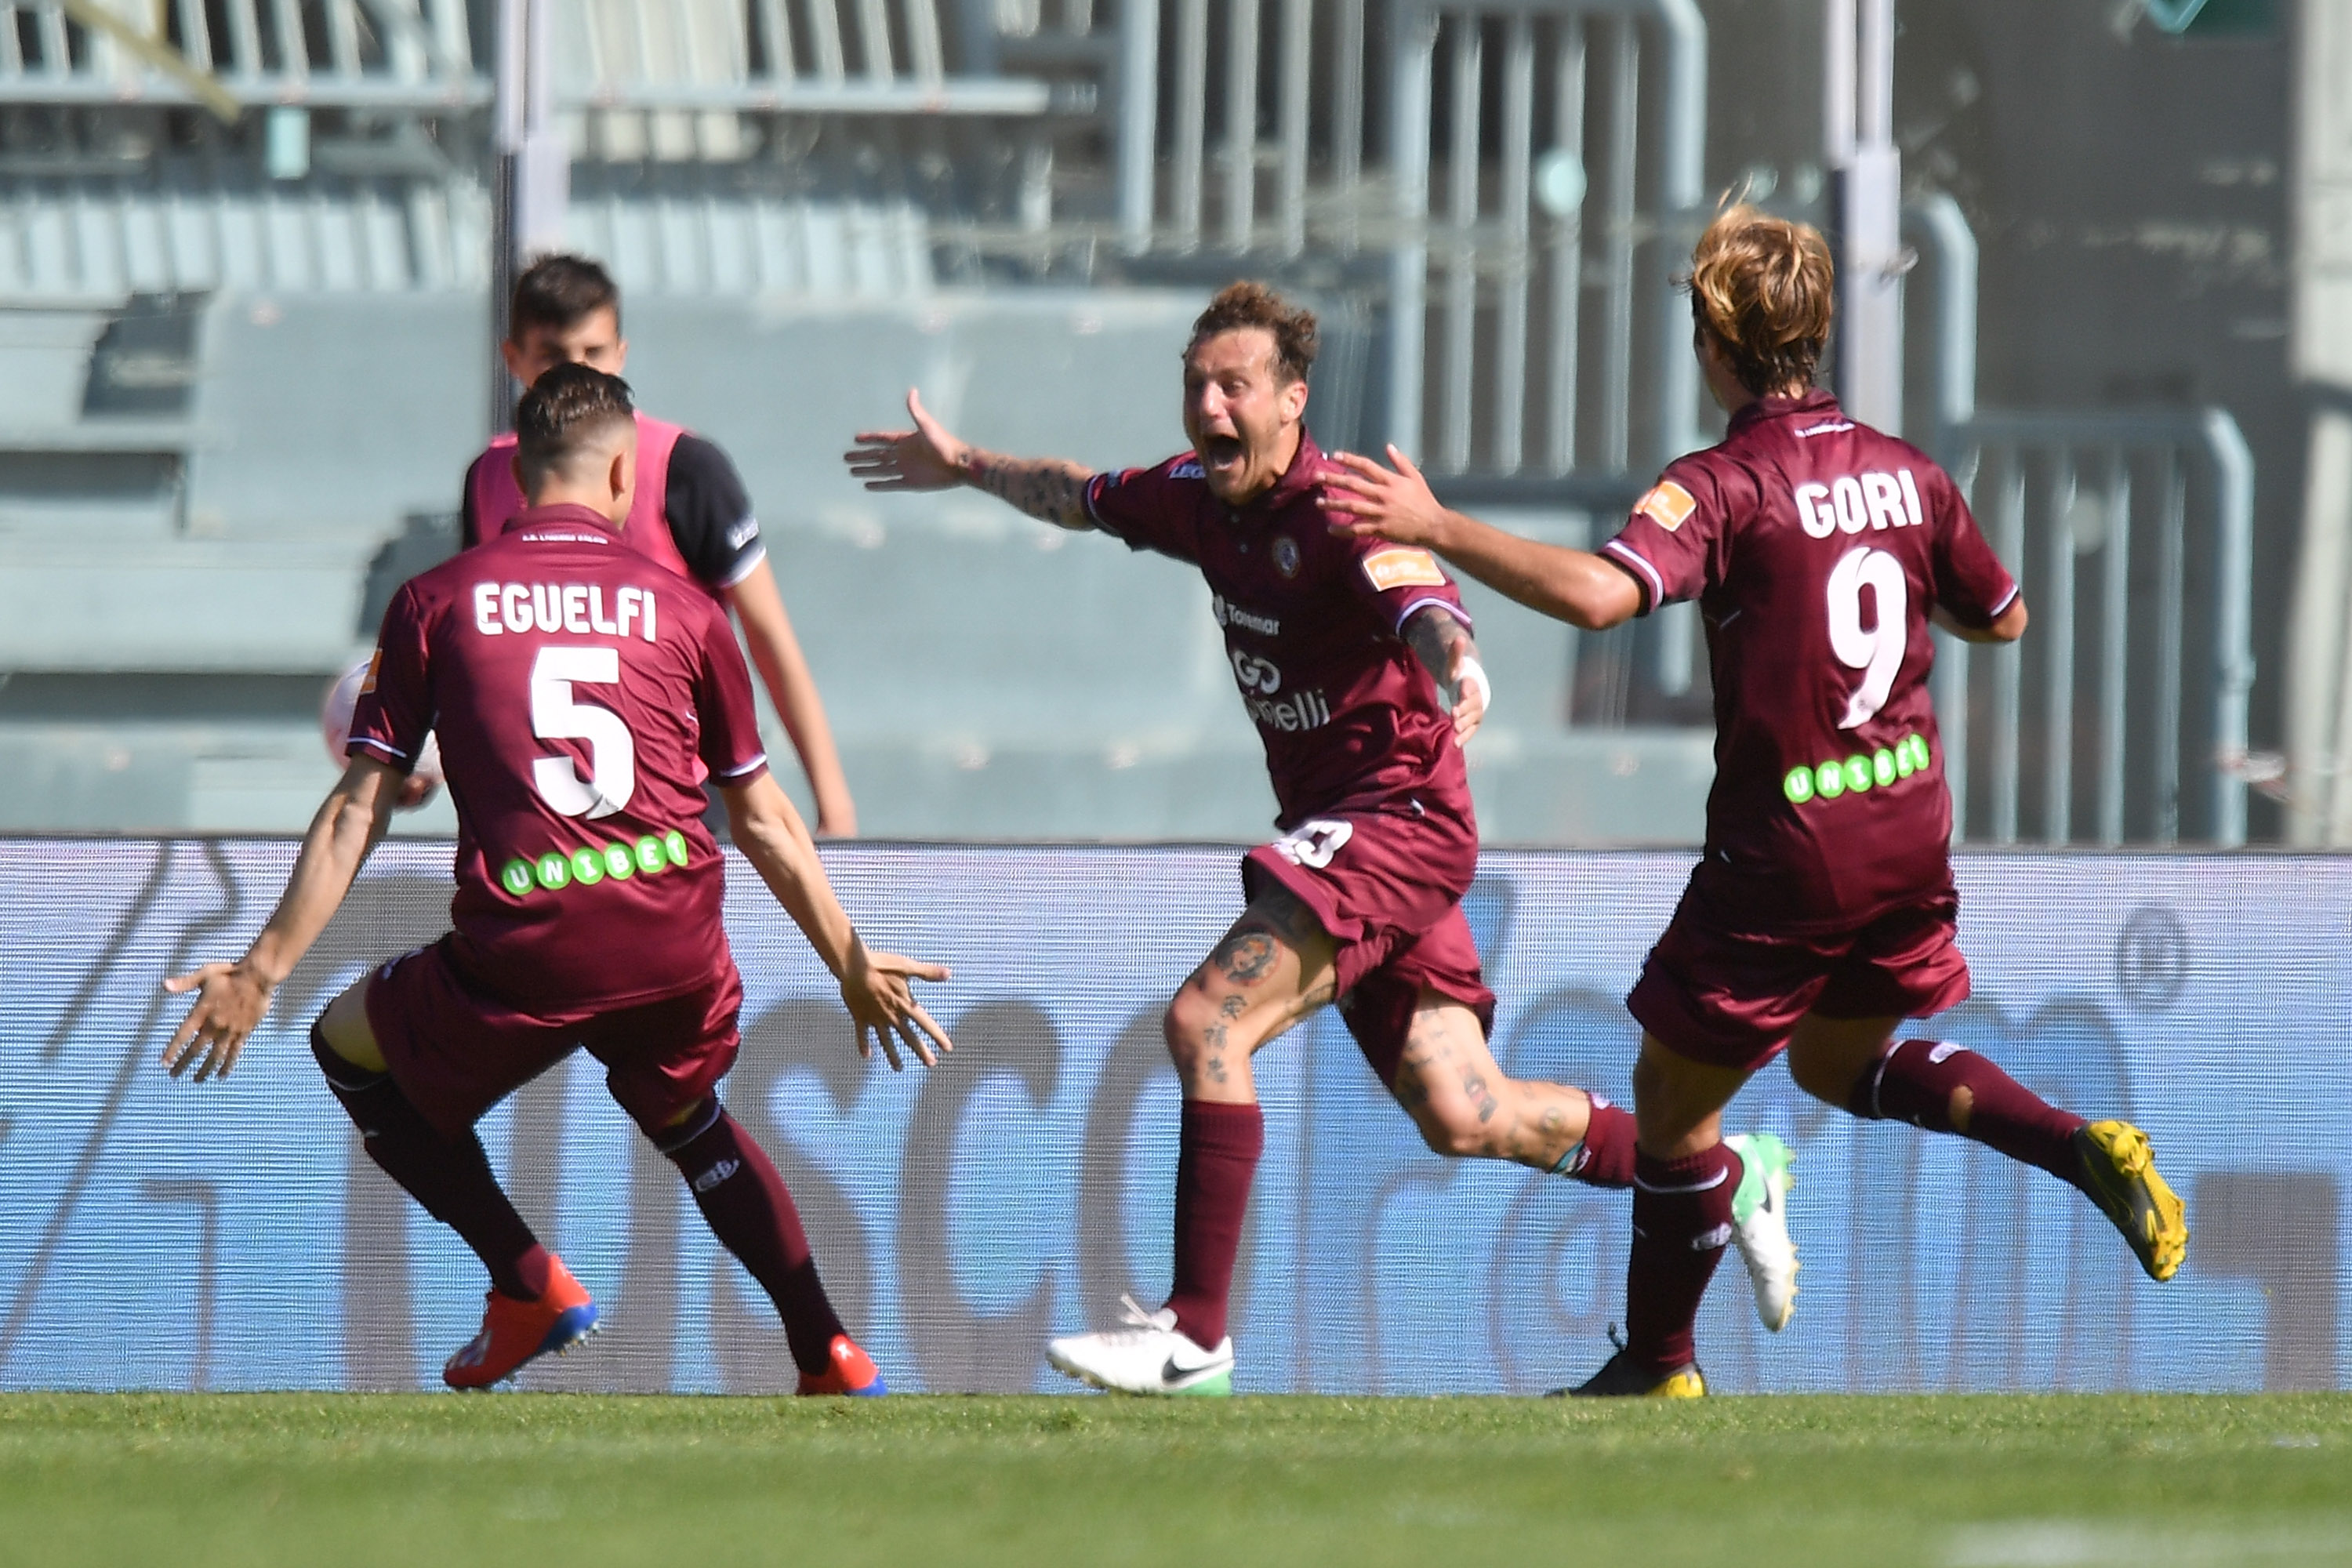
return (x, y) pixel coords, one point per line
(1444, 647)
(873, 985)
(233, 998)
(928, 458)
(1573, 585)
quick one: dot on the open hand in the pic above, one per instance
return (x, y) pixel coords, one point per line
(881, 1002)
(1368, 500)
(231, 1000)
(924, 459)
(1466, 677)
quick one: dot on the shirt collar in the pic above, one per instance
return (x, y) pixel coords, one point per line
(1816, 400)
(568, 515)
(1306, 472)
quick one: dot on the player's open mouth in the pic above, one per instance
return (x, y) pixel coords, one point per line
(1220, 451)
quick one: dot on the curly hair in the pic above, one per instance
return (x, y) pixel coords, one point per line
(1764, 288)
(1248, 304)
(565, 412)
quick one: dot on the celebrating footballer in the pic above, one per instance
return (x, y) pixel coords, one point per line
(1355, 660)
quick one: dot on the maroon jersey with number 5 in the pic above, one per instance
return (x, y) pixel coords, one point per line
(1815, 547)
(1349, 720)
(574, 684)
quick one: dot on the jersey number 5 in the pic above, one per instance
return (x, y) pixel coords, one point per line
(554, 716)
(1878, 652)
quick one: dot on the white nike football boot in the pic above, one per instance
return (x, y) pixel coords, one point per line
(1150, 1355)
(1759, 1225)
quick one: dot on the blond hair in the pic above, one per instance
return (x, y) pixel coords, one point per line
(1764, 287)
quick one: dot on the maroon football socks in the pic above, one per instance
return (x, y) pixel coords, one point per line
(450, 1177)
(1949, 1088)
(1682, 1220)
(744, 1201)
(1217, 1151)
(1605, 1158)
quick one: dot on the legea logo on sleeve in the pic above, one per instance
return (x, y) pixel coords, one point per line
(1403, 568)
(1668, 505)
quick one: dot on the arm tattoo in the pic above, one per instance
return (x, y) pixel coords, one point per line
(1051, 489)
(1431, 634)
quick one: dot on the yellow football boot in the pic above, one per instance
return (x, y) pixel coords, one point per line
(2119, 1174)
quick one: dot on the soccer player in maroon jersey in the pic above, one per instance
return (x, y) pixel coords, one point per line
(574, 686)
(1821, 912)
(1355, 659)
(692, 513)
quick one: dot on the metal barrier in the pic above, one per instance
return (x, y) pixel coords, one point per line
(868, 56)
(2129, 493)
(1500, 230)
(1488, 245)
(2057, 490)
(357, 54)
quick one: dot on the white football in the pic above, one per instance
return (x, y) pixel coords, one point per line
(335, 725)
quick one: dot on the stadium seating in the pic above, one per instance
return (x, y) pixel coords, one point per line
(240, 373)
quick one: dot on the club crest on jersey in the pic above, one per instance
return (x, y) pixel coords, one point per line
(1668, 505)
(1403, 568)
(1285, 555)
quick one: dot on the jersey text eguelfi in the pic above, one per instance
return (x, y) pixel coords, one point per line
(574, 684)
(1349, 720)
(1816, 547)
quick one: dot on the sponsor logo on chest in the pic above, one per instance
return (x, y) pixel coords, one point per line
(1232, 615)
(1851, 503)
(1261, 683)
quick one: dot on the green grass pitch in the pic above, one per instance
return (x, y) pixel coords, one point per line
(556, 1481)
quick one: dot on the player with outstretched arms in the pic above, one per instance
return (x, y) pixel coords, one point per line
(691, 513)
(575, 686)
(1821, 913)
(1355, 659)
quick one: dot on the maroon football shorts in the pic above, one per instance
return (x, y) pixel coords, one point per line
(1388, 886)
(1731, 999)
(455, 1052)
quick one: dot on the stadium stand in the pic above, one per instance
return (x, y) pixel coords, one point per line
(242, 366)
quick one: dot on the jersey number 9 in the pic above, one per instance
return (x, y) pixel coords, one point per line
(554, 716)
(1878, 652)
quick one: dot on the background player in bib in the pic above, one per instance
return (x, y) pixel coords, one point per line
(574, 685)
(1355, 659)
(1821, 913)
(691, 513)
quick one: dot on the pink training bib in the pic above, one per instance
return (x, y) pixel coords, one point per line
(498, 498)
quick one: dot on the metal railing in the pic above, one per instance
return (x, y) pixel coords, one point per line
(2083, 733)
(2106, 521)
(357, 53)
(803, 57)
(1513, 300)
(1485, 243)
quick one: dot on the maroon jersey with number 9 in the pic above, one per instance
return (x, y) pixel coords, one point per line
(1815, 547)
(574, 684)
